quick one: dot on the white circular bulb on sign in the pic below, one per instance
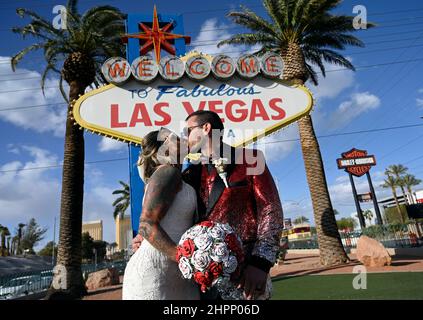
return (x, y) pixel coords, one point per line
(223, 67)
(248, 66)
(116, 70)
(271, 65)
(171, 68)
(144, 69)
(197, 67)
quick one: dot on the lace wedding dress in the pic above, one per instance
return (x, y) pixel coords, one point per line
(149, 274)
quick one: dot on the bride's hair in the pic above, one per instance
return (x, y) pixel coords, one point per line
(148, 155)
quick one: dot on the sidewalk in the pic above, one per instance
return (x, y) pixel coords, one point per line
(295, 264)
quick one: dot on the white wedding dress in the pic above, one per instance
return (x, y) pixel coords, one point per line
(149, 274)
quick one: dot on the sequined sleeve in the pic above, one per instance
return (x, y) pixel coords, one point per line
(269, 216)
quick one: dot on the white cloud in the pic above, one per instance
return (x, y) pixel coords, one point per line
(107, 144)
(274, 149)
(36, 193)
(333, 84)
(341, 191)
(348, 110)
(98, 206)
(28, 193)
(12, 148)
(41, 119)
(211, 33)
(419, 102)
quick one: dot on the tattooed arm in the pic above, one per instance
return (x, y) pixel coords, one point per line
(161, 191)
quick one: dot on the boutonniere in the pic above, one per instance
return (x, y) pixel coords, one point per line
(194, 157)
(220, 165)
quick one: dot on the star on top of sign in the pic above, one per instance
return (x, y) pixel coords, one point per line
(156, 38)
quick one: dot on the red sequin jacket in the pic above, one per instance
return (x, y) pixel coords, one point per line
(251, 204)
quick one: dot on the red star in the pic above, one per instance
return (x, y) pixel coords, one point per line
(156, 38)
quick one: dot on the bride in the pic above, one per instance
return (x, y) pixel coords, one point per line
(169, 207)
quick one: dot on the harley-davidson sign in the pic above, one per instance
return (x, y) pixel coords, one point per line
(249, 108)
(356, 162)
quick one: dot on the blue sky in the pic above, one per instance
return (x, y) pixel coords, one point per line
(371, 98)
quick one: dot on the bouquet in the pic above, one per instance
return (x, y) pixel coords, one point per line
(210, 254)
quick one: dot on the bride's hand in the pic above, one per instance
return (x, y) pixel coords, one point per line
(136, 242)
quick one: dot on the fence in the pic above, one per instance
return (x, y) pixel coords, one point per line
(25, 283)
(391, 236)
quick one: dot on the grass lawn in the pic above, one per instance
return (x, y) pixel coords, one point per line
(393, 285)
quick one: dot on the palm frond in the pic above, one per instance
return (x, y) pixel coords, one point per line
(62, 90)
(249, 19)
(17, 57)
(312, 73)
(50, 67)
(248, 39)
(332, 57)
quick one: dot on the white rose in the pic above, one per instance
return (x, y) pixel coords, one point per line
(219, 252)
(195, 231)
(185, 267)
(217, 232)
(200, 260)
(203, 241)
(191, 233)
(230, 264)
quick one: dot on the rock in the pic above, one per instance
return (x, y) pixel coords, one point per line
(102, 278)
(372, 253)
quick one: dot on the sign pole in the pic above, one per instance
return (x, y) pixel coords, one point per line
(133, 52)
(375, 204)
(357, 203)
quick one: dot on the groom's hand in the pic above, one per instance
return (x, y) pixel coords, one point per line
(253, 281)
(136, 242)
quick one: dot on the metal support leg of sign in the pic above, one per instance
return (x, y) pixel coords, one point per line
(133, 51)
(357, 203)
(375, 204)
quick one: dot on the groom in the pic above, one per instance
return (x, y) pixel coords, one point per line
(250, 203)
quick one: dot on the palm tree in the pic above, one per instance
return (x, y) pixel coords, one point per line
(391, 182)
(410, 181)
(304, 33)
(122, 202)
(4, 233)
(19, 238)
(398, 170)
(368, 215)
(86, 42)
(300, 220)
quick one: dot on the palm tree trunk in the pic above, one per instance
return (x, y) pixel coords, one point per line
(330, 245)
(403, 194)
(69, 249)
(397, 204)
(410, 192)
(3, 247)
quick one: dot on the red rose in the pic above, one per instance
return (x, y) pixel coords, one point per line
(203, 279)
(188, 247)
(206, 223)
(216, 269)
(185, 250)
